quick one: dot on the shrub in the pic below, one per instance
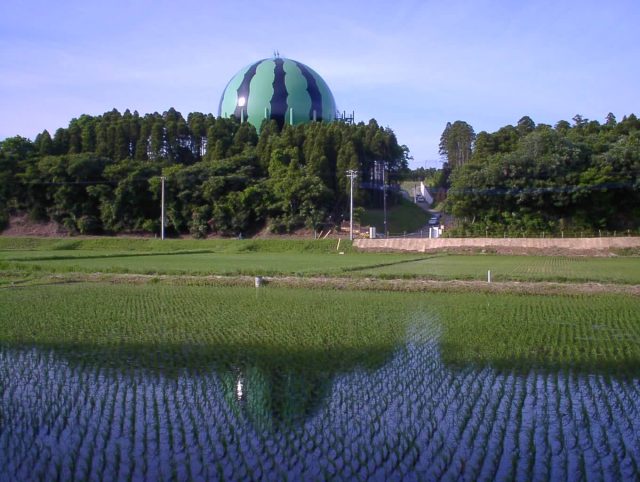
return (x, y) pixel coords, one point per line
(4, 219)
(151, 226)
(89, 225)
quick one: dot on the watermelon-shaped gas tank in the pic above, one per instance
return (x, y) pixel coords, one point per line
(281, 89)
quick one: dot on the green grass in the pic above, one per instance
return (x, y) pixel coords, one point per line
(148, 256)
(198, 263)
(156, 245)
(337, 329)
(292, 257)
(625, 270)
(404, 217)
(516, 268)
(408, 186)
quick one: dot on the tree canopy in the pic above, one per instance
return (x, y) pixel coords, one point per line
(102, 173)
(456, 143)
(580, 175)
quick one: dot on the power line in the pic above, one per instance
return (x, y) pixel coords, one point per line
(503, 191)
(84, 183)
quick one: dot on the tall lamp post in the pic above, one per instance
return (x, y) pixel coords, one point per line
(351, 174)
(384, 200)
(162, 178)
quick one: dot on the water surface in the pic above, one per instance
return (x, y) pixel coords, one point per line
(411, 417)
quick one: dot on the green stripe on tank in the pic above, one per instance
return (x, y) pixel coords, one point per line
(229, 99)
(261, 92)
(298, 97)
(328, 103)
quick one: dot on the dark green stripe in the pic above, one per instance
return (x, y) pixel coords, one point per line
(279, 99)
(314, 92)
(243, 90)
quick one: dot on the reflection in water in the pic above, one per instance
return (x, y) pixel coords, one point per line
(269, 397)
(412, 417)
(239, 386)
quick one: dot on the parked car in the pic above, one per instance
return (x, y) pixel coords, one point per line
(434, 220)
(420, 198)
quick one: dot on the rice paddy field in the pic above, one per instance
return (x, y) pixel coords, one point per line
(161, 382)
(202, 263)
(310, 258)
(517, 268)
(169, 381)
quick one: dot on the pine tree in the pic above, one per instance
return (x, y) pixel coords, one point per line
(44, 143)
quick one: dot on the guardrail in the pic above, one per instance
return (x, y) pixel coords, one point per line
(517, 235)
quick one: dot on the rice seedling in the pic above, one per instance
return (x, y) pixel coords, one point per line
(580, 331)
(300, 258)
(157, 382)
(515, 268)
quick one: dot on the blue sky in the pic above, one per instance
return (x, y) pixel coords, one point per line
(413, 65)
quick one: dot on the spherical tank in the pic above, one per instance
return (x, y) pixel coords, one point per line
(281, 89)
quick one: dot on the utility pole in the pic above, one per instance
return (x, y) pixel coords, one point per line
(351, 174)
(162, 178)
(384, 200)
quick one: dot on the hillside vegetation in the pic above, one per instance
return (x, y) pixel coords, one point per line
(403, 217)
(532, 178)
(102, 174)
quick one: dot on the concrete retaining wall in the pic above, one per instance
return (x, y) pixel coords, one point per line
(499, 244)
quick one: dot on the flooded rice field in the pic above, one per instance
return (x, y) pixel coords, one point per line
(410, 418)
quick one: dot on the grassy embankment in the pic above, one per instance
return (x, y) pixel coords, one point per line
(404, 217)
(154, 245)
(179, 325)
(188, 257)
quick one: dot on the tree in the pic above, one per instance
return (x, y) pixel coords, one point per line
(611, 120)
(562, 126)
(88, 134)
(525, 125)
(443, 148)
(75, 137)
(582, 178)
(100, 173)
(157, 142)
(456, 143)
(269, 131)
(44, 143)
(61, 141)
(579, 120)
(347, 160)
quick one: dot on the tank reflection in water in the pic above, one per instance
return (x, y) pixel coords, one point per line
(408, 417)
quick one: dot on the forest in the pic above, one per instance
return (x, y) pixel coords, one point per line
(102, 174)
(528, 178)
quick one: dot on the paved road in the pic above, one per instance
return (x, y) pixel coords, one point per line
(424, 231)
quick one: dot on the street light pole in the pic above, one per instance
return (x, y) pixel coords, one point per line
(162, 178)
(384, 200)
(351, 174)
